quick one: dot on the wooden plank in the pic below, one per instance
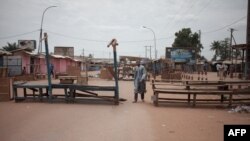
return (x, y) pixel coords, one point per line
(204, 100)
(66, 81)
(67, 77)
(177, 99)
(88, 92)
(170, 91)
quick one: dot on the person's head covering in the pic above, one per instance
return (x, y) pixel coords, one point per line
(142, 62)
(138, 63)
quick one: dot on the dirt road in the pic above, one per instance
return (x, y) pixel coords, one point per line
(34, 121)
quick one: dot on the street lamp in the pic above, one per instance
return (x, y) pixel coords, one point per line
(41, 30)
(154, 40)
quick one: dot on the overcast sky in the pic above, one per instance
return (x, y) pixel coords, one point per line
(91, 24)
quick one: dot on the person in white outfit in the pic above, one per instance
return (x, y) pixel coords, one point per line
(139, 81)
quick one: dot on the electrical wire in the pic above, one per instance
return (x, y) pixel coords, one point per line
(200, 11)
(128, 41)
(211, 31)
(17, 35)
(102, 41)
(77, 38)
(185, 12)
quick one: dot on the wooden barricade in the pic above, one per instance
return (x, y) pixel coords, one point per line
(74, 73)
(199, 88)
(3, 72)
(106, 74)
(5, 89)
(171, 75)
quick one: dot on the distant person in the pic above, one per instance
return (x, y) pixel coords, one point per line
(139, 81)
(24, 71)
(205, 67)
(231, 70)
(218, 69)
(221, 72)
(52, 70)
(225, 67)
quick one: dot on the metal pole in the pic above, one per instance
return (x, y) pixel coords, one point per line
(116, 78)
(146, 51)
(150, 53)
(154, 40)
(41, 30)
(48, 65)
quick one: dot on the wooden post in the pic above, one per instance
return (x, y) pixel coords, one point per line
(25, 92)
(230, 99)
(114, 43)
(48, 66)
(156, 99)
(66, 95)
(40, 94)
(15, 93)
(194, 102)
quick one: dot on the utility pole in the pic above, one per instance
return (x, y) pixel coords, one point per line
(154, 40)
(146, 50)
(41, 30)
(199, 41)
(83, 58)
(231, 41)
(150, 52)
(199, 35)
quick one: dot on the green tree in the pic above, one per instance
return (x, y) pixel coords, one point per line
(215, 46)
(10, 46)
(221, 48)
(185, 38)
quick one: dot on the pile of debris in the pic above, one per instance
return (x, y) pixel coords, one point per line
(240, 109)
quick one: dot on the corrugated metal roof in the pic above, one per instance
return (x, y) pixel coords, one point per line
(58, 56)
(30, 53)
(3, 52)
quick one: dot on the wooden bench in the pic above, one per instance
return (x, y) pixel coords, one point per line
(40, 76)
(196, 88)
(67, 79)
(156, 97)
(69, 93)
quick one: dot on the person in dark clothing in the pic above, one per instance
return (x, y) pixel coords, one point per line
(52, 70)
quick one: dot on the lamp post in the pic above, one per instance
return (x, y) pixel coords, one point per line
(41, 30)
(154, 40)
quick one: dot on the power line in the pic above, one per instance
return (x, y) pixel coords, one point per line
(185, 12)
(179, 12)
(102, 41)
(17, 35)
(201, 10)
(225, 25)
(77, 38)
